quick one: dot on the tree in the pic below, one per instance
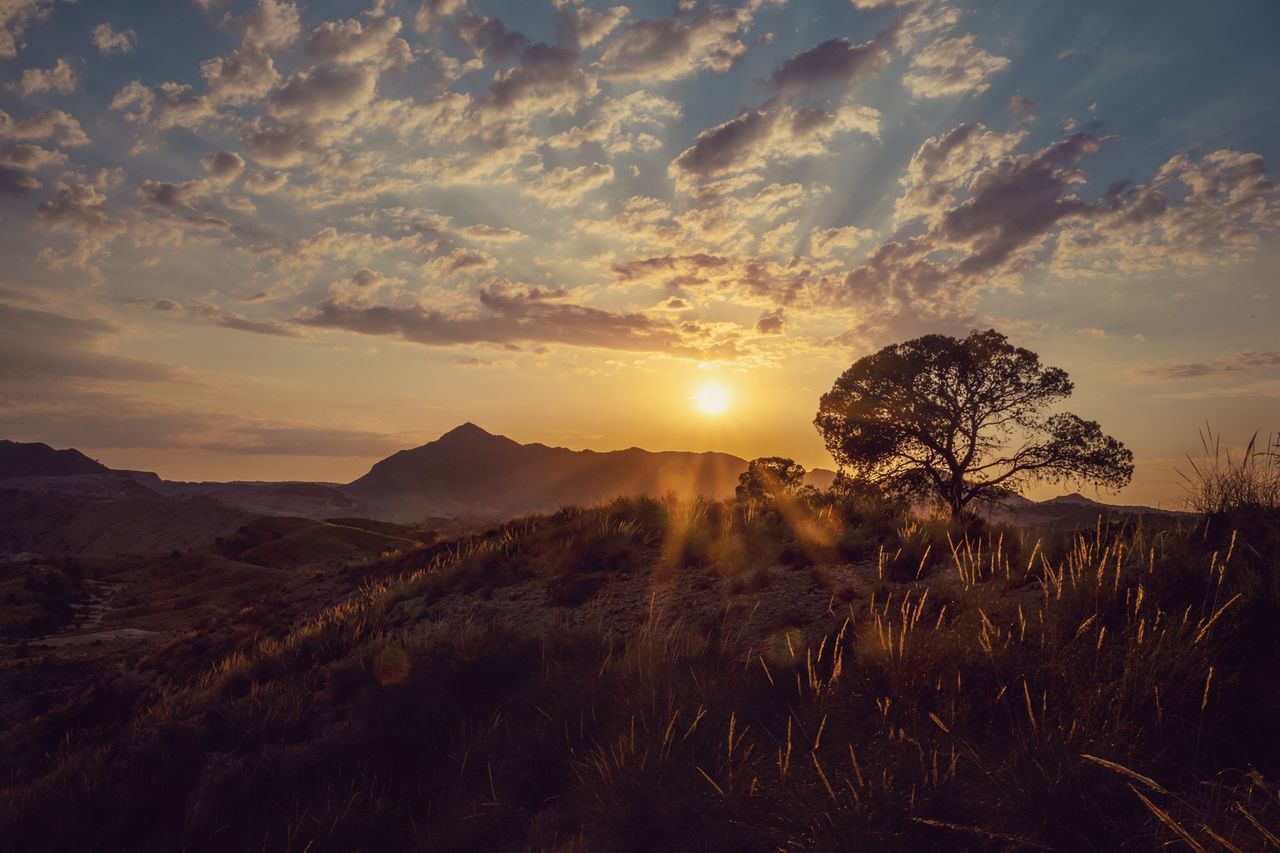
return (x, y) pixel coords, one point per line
(769, 478)
(962, 420)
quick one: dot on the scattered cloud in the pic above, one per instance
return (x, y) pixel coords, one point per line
(109, 40)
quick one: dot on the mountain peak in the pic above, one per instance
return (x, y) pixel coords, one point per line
(466, 430)
(37, 459)
(1073, 498)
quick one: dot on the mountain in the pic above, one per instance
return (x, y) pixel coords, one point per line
(471, 472)
(19, 459)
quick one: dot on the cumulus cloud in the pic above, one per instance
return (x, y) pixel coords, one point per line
(952, 66)
(265, 183)
(79, 209)
(168, 194)
(564, 186)
(49, 124)
(324, 93)
(772, 323)
(944, 165)
(109, 40)
(270, 25)
(31, 157)
(580, 27)
(15, 183)
(15, 17)
(432, 11)
(222, 166)
(61, 79)
(772, 133)
(831, 242)
(351, 41)
(547, 80)
(691, 40)
(614, 124)
(835, 62)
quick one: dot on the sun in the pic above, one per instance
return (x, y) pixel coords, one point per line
(711, 399)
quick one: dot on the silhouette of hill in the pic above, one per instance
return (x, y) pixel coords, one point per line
(471, 472)
(35, 459)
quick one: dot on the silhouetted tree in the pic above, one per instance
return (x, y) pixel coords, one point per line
(962, 420)
(770, 477)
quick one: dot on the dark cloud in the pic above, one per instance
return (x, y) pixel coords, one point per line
(773, 132)
(490, 37)
(224, 166)
(1234, 364)
(835, 62)
(520, 317)
(213, 315)
(15, 183)
(42, 345)
(772, 323)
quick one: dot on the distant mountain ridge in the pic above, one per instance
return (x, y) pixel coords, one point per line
(466, 474)
(469, 471)
(35, 459)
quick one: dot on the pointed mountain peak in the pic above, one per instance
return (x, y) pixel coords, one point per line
(467, 430)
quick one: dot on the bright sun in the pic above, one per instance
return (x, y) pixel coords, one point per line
(712, 399)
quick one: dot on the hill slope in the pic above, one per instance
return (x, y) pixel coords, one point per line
(34, 459)
(471, 472)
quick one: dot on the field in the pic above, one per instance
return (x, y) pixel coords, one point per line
(806, 674)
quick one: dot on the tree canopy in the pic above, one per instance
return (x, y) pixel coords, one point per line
(962, 420)
(769, 478)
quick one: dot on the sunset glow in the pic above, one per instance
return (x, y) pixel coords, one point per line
(266, 239)
(712, 399)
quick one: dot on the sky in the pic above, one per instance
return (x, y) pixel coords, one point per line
(255, 239)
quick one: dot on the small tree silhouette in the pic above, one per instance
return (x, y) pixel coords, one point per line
(962, 420)
(769, 478)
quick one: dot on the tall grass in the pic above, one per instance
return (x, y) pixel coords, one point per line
(1113, 689)
(1220, 482)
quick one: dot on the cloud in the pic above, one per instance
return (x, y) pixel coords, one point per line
(168, 194)
(271, 25)
(15, 183)
(835, 62)
(222, 166)
(32, 157)
(772, 323)
(668, 48)
(772, 133)
(1233, 364)
(547, 80)
(61, 79)
(108, 40)
(608, 126)
(491, 234)
(79, 209)
(457, 261)
(952, 66)
(265, 183)
(579, 27)
(15, 17)
(49, 124)
(563, 186)
(324, 93)
(432, 11)
(828, 242)
(521, 317)
(944, 165)
(351, 42)
(489, 37)
(213, 315)
(43, 345)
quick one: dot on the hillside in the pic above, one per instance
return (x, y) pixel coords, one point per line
(471, 472)
(806, 676)
(18, 459)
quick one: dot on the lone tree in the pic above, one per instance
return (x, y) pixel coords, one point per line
(962, 420)
(769, 478)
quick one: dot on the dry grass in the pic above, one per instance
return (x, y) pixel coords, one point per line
(1105, 690)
